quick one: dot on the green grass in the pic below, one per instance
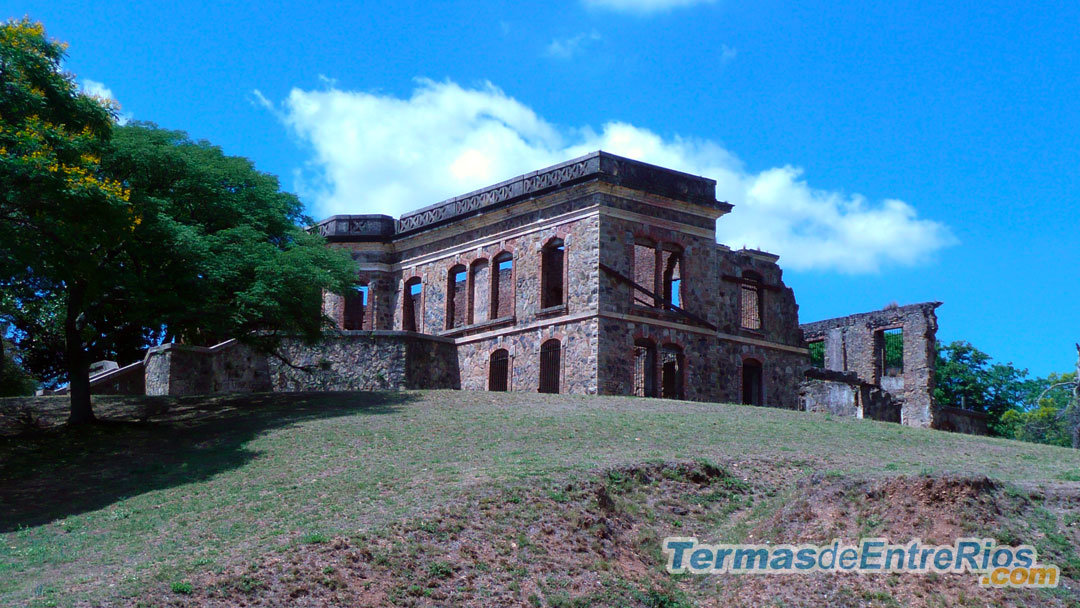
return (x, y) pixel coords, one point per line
(100, 513)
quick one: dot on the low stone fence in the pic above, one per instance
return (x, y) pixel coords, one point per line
(960, 421)
(341, 361)
(229, 367)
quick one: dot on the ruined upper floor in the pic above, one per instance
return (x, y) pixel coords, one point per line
(600, 234)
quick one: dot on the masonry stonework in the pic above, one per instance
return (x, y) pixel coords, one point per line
(858, 344)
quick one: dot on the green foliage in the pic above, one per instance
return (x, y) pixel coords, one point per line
(966, 375)
(314, 538)
(893, 350)
(966, 378)
(223, 242)
(1052, 419)
(14, 381)
(62, 215)
(817, 353)
(115, 238)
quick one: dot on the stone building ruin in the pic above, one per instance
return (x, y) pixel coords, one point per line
(880, 365)
(600, 275)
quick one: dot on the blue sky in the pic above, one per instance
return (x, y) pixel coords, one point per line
(888, 153)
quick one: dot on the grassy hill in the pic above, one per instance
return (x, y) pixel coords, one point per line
(455, 498)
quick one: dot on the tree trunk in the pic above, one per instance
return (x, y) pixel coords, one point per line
(78, 364)
(1076, 401)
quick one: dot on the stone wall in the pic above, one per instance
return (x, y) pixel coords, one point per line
(365, 361)
(844, 394)
(180, 369)
(341, 361)
(959, 420)
(831, 395)
(853, 343)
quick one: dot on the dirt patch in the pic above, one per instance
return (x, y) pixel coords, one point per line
(934, 509)
(597, 542)
(593, 542)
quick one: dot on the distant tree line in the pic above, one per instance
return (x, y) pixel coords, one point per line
(1040, 410)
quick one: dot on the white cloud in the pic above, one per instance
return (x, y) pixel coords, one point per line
(377, 153)
(568, 47)
(643, 6)
(98, 89)
(728, 53)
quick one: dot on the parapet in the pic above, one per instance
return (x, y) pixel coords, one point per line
(599, 165)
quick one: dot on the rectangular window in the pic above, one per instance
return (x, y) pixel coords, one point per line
(891, 352)
(479, 292)
(356, 305)
(751, 305)
(551, 275)
(411, 305)
(817, 353)
(457, 297)
(550, 366)
(672, 276)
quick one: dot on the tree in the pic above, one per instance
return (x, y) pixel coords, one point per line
(1040, 410)
(221, 246)
(14, 380)
(59, 212)
(115, 238)
(965, 377)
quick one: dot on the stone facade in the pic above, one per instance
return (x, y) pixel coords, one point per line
(858, 344)
(483, 274)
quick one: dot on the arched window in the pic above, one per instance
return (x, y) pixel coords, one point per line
(550, 366)
(410, 305)
(499, 370)
(751, 382)
(750, 300)
(672, 279)
(553, 261)
(673, 372)
(357, 313)
(502, 286)
(456, 296)
(644, 368)
(479, 291)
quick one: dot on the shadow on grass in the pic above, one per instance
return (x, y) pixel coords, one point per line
(149, 443)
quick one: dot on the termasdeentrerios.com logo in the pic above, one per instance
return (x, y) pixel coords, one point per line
(996, 565)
